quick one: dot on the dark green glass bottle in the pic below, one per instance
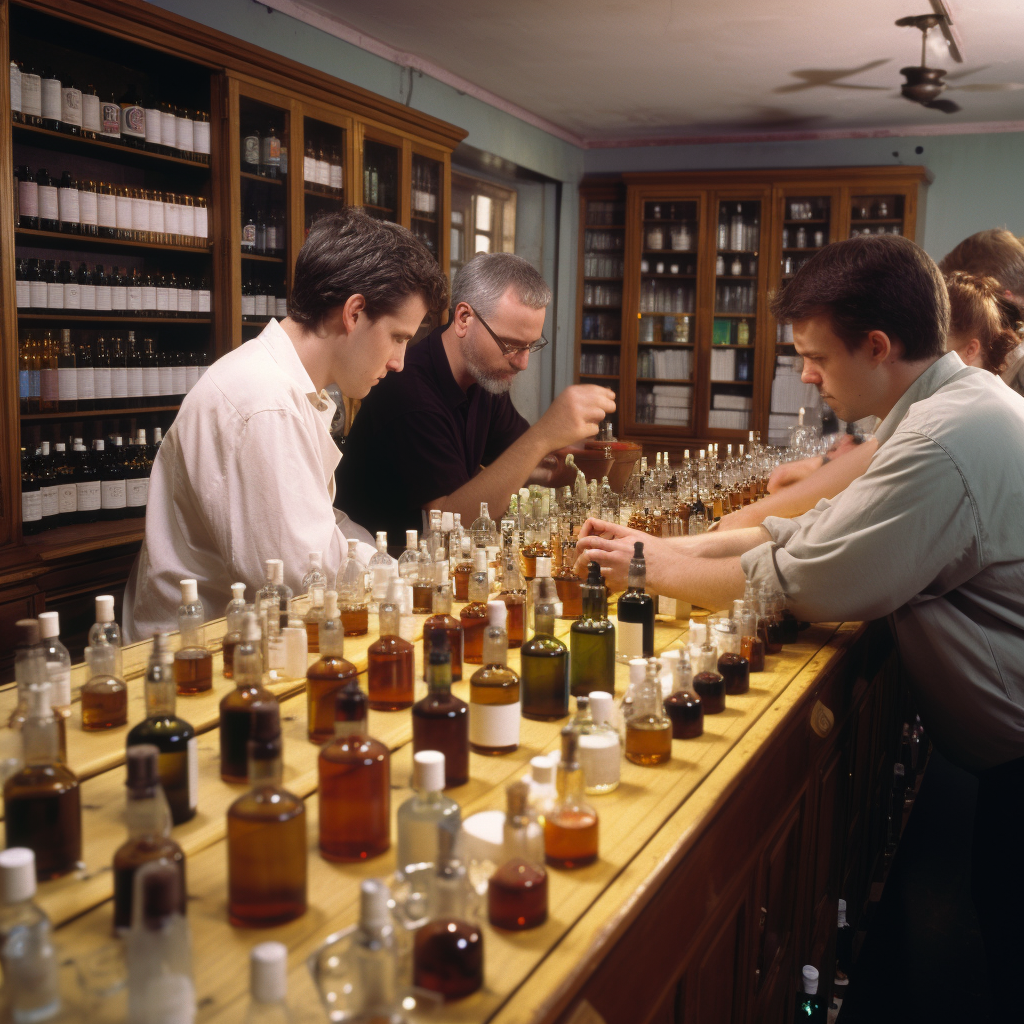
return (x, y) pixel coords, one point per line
(544, 681)
(592, 641)
(635, 611)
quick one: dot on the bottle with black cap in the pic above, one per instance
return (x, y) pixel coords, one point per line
(592, 640)
(635, 611)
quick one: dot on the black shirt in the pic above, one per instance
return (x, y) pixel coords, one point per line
(418, 436)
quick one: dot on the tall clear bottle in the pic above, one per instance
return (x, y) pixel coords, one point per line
(58, 663)
(635, 611)
(389, 661)
(517, 893)
(649, 730)
(381, 568)
(233, 637)
(423, 585)
(474, 615)
(375, 997)
(193, 663)
(314, 617)
(513, 594)
(352, 593)
(30, 667)
(236, 707)
(592, 640)
(440, 721)
(421, 817)
(329, 674)
(494, 705)
(443, 622)
(544, 675)
(105, 630)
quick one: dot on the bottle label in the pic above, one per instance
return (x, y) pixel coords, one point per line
(101, 382)
(201, 137)
(33, 383)
(193, 773)
(135, 387)
(124, 212)
(271, 242)
(86, 383)
(172, 300)
(336, 176)
(260, 305)
(49, 385)
(630, 639)
(67, 498)
(172, 219)
(202, 225)
(151, 381)
(110, 119)
(118, 296)
(138, 492)
(177, 380)
(134, 297)
(248, 305)
(71, 106)
(31, 506)
(494, 725)
(37, 294)
(188, 220)
(133, 121)
(48, 500)
(251, 150)
(51, 99)
(103, 297)
(91, 120)
(23, 294)
(49, 207)
(67, 384)
(148, 297)
(270, 151)
(191, 378)
(54, 295)
(156, 216)
(140, 214)
(32, 95)
(203, 298)
(15, 86)
(87, 207)
(113, 494)
(168, 129)
(154, 130)
(88, 295)
(309, 168)
(28, 198)
(67, 205)
(323, 172)
(72, 295)
(106, 210)
(161, 299)
(88, 495)
(184, 300)
(185, 134)
(166, 380)
(118, 382)
(249, 236)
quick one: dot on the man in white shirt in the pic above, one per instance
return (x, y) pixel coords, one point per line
(246, 472)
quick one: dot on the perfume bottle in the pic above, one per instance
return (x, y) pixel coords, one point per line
(268, 984)
(682, 705)
(635, 612)
(315, 575)
(178, 762)
(473, 616)
(513, 594)
(637, 674)
(30, 668)
(421, 816)
(266, 835)
(570, 830)
(442, 620)
(809, 1006)
(355, 784)
(448, 951)
(600, 746)
(326, 676)
(544, 676)
(105, 629)
(517, 893)
(273, 598)
(104, 696)
(42, 801)
(149, 832)
(236, 707)
(314, 616)
(193, 663)
(732, 666)
(58, 664)
(592, 640)
(233, 637)
(352, 594)
(649, 730)
(408, 560)
(375, 997)
(708, 682)
(440, 721)
(459, 544)
(423, 584)
(494, 706)
(751, 645)
(389, 661)
(381, 568)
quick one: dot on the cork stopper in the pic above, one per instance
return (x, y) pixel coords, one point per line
(105, 608)
(49, 625)
(28, 632)
(189, 591)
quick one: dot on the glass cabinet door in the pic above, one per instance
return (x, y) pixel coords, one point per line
(427, 176)
(323, 177)
(877, 214)
(381, 180)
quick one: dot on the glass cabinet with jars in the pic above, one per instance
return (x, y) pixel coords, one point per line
(324, 161)
(381, 179)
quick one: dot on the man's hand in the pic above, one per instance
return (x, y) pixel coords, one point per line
(575, 414)
(611, 546)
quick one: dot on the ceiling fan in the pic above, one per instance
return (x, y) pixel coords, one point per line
(926, 85)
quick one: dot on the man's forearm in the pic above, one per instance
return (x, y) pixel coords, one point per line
(704, 581)
(721, 545)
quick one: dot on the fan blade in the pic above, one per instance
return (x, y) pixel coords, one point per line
(957, 75)
(946, 106)
(990, 87)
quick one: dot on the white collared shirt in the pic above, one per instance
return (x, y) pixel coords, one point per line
(245, 473)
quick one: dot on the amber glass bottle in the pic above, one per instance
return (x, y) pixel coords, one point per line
(517, 893)
(474, 615)
(648, 729)
(314, 617)
(592, 640)
(389, 661)
(355, 785)
(149, 832)
(494, 707)
(708, 683)
(328, 675)
(104, 696)
(682, 705)
(544, 681)
(567, 583)
(266, 835)
(732, 666)
(570, 830)
(193, 663)
(460, 578)
(443, 620)
(440, 721)
(513, 594)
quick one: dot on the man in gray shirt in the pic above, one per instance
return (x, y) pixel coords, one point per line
(932, 535)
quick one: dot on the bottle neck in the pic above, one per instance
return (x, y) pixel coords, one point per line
(332, 639)
(264, 771)
(161, 694)
(41, 740)
(495, 650)
(544, 621)
(147, 816)
(248, 666)
(439, 677)
(569, 780)
(594, 606)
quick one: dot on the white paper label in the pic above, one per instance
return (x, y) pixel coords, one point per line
(184, 300)
(32, 95)
(49, 206)
(336, 176)
(31, 506)
(260, 305)
(203, 299)
(630, 639)
(123, 205)
(134, 298)
(48, 498)
(71, 106)
(202, 218)
(103, 297)
(118, 296)
(91, 113)
(309, 168)
(151, 381)
(86, 382)
(101, 382)
(494, 725)
(88, 207)
(191, 377)
(168, 129)
(88, 496)
(248, 305)
(67, 384)
(106, 210)
(323, 172)
(88, 295)
(201, 137)
(166, 380)
(178, 380)
(135, 387)
(15, 87)
(118, 382)
(67, 205)
(148, 297)
(72, 295)
(113, 494)
(28, 198)
(51, 98)
(37, 294)
(48, 384)
(140, 214)
(156, 216)
(67, 498)
(188, 220)
(22, 294)
(172, 219)
(154, 134)
(54, 295)
(138, 492)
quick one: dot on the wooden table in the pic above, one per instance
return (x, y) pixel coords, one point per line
(648, 828)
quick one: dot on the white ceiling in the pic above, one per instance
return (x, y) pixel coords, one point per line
(614, 71)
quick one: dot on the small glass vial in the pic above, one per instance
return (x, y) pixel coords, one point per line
(473, 616)
(517, 894)
(326, 676)
(682, 705)
(389, 660)
(494, 706)
(708, 682)
(233, 613)
(236, 708)
(58, 667)
(751, 644)
(440, 721)
(193, 663)
(375, 957)
(570, 830)
(443, 620)
(600, 746)
(421, 817)
(649, 730)
(732, 666)
(312, 619)
(104, 696)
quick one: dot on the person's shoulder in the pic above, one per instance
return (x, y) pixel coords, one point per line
(409, 391)
(247, 380)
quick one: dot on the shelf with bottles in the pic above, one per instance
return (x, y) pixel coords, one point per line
(264, 224)
(603, 240)
(597, 295)
(57, 240)
(261, 180)
(670, 227)
(672, 329)
(605, 213)
(599, 363)
(425, 201)
(380, 180)
(600, 327)
(264, 294)
(731, 364)
(671, 363)
(263, 149)
(663, 404)
(739, 226)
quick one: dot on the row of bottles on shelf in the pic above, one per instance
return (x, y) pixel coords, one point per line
(736, 267)
(602, 241)
(881, 229)
(602, 266)
(882, 208)
(45, 99)
(807, 209)
(791, 264)
(76, 484)
(599, 363)
(665, 297)
(378, 187)
(731, 332)
(665, 330)
(261, 299)
(264, 232)
(322, 169)
(262, 152)
(739, 227)
(49, 285)
(598, 294)
(736, 298)
(678, 237)
(425, 188)
(600, 327)
(101, 210)
(104, 373)
(688, 267)
(802, 239)
(602, 212)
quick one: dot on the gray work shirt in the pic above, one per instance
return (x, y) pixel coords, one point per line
(933, 536)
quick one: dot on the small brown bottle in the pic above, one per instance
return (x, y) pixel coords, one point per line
(570, 830)
(517, 894)
(513, 594)
(193, 663)
(314, 617)
(494, 706)
(442, 621)
(266, 835)
(352, 594)
(328, 675)
(390, 665)
(682, 705)
(708, 682)
(440, 721)
(568, 584)
(732, 666)
(474, 615)
(648, 729)
(355, 785)
(104, 696)
(149, 832)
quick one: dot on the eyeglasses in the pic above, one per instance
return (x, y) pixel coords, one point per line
(508, 349)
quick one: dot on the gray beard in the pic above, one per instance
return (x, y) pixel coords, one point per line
(492, 384)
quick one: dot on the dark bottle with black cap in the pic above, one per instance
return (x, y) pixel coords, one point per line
(635, 611)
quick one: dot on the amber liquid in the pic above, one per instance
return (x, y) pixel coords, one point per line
(448, 958)
(355, 799)
(735, 670)
(235, 730)
(516, 605)
(390, 670)
(313, 636)
(570, 594)
(453, 628)
(517, 896)
(647, 743)
(422, 598)
(570, 839)
(528, 561)
(171, 736)
(266, 858)
(230, 642)
(193, 670)
(771, 634)
(441, 722)
(355, 621)
(474, 621)
(323, 681)
(43, 811)
(686, 712)
(461, 580)
(133, 855)
(104, 704)
(752, 648)
(710, 687)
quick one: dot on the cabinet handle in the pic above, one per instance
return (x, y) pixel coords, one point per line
(764, 917)
(822, 719)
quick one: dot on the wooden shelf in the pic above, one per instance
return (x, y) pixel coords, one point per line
(854, 221)
(740, 252)
(249, 176)
(427, 219)
(604, 227)
(64, 541)
(661, 253)
(720, 278)
(93, 414)
(662, 380)
(674, 344)
(59, 240)
(585, 341)
(665, 277)
(262, 259)
(823, 220)
(600, 376)
(730, 345)
(806, 248)
(338, 197)
(84, 318)
(617, 280)
(736, 316)
(381, 209)
(731, 383)
(36, 136)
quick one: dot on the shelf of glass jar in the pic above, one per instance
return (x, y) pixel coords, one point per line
(599, 362)
(673, 330)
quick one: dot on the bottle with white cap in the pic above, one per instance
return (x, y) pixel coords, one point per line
(374, 952)
(314, 617)
(420, 817)
(193, 663)
(104, 694)
(844, 950)
(494, 707)
(273, 599)
(637, 674)
(473, 615)
(326, 676)
(268, 984)
(541, 781)
(381, 567)
(517, 893)
(58, 659)
(423, 584)
(390, 663)
(233, 613)
(409, 559)
(315, 575)
(600, 746)
(105, 630)
(809, 1005)
(30, 962)
(236, 706)
(30, 667)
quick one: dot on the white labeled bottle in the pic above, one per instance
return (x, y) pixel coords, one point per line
(495, 710)
(600, 746)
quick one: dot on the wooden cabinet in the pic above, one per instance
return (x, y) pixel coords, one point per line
(675, 276)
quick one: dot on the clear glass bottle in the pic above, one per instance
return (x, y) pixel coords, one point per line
(543, 663)
(635, 612)
(315, 575)
(105, 630)
(600, 745)
(233, 613)
(442, 621)
(237, 706)
(355, 785)
(732, 666)
(494, 706)
(571, 828)
(266, 835)
(42, 801)
(513, 594)
(409, 559)
(649, 730)
(193, 663)
(440, 721)
(172, 736)
(314, 617)
(390, 659)
(517, 893)
(592, 640)
(352, 594)
(462, 569)
(273, 594)
(421, 817)
(483, 532)
(423, 585)
(104, 695)
(58, 663)
(375, 997)
(30, 667)
(682, 705)
(708, 682)
(809, 1006)
(381, 568)
(474, 615)
(751, 645)
(326, 676)
(268, 985)
(149, 832)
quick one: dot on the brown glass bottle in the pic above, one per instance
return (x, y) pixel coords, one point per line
(193, 663)
(686, 711)
(710, 687)
(460, 580)
(752, 648)
(735, 670)
(494, 707)
(473, 616)
(567, 585)
(517, 893)
(355, 620)
(236, 708)
(440, 721)
(389, 663)
(516, 621)
(228, 646)
(355, 785)
(104, 696)
(266, 836)
(328, 675)
(422, 597)
(443, 621)
(570, 830)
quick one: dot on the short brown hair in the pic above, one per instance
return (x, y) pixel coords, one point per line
(979, 309)
(994, 253)
(350, 253)
(872, 283)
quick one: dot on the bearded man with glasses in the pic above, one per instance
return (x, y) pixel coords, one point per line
(444, 433)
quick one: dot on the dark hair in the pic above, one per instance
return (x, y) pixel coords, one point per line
(872, 283)
(350, 253)
(994, 253)
(978, 309)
